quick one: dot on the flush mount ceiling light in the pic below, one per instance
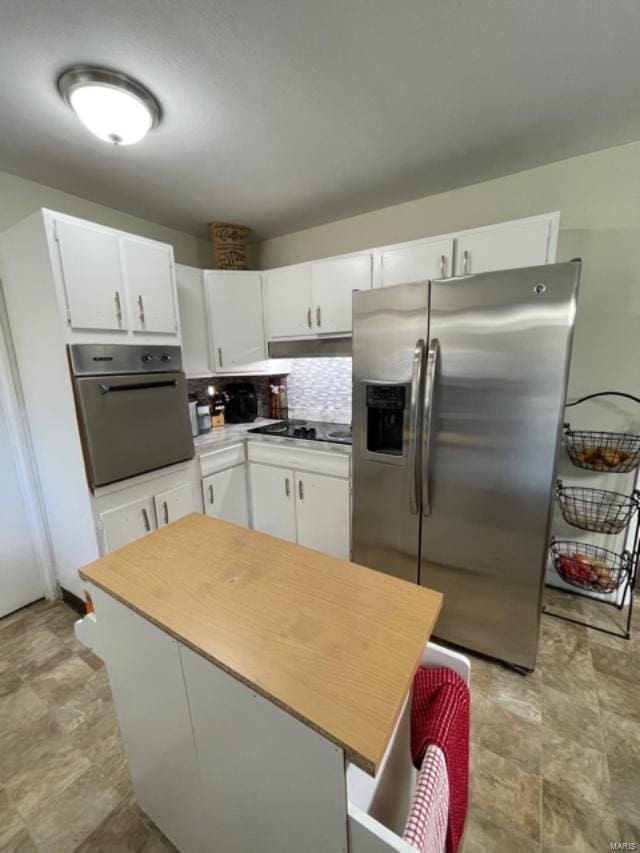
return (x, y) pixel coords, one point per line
(110, 104)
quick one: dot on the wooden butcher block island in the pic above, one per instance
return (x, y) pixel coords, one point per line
(256, 682)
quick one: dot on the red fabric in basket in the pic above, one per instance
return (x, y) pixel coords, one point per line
(440, 716)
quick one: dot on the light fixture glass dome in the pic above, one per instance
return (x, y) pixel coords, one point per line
(111, 105)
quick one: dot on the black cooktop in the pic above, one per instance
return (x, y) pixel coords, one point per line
(309, 430)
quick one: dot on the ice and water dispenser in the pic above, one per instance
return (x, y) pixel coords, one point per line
(385, 418)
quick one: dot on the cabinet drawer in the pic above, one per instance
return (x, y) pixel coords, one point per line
(302, 459)
(218, 460)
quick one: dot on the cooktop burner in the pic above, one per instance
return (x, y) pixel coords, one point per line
(309, 430)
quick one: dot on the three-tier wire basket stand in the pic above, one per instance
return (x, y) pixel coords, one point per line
(589, 568)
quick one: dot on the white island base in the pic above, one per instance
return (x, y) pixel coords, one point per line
(220, 768)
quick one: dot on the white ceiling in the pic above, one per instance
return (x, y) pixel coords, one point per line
(282, 114)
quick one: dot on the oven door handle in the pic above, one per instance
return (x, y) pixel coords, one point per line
(138, 386)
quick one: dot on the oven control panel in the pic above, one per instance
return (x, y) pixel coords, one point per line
(104, 359)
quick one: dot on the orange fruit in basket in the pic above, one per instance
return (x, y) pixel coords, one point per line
(611, 458)
(607, 582)
(600, 569)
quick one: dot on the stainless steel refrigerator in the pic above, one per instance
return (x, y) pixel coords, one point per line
(458, 395)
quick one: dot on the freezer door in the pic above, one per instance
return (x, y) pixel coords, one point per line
(495, 390)
(390, 327)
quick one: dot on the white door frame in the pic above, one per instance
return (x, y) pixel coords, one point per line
(11, 397)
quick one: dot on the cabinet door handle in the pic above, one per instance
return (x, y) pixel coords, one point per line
(220, 362)
(443, 266)
(118, 309)
(211, 493)
(465, 262)
(166, 512)
(145, 519)
(301, 490)
(318, 315)
(309, 323)
(141, 307)
(287, 487)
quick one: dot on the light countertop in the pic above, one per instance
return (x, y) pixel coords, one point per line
(234, 433)
(228, 434)
(333, 643)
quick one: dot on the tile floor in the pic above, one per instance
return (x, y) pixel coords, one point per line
(555, 755)
(555, 763)
(64, 782)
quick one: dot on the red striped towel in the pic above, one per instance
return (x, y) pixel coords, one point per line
(440, 716)
(426, 829)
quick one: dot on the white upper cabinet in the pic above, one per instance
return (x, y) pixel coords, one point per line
(223, 328)
(92, 276)
(288, 302)
(193, 321)
(334, 282)
(314, 299)
(234, 305)
(417, 261)
(148, 269)
(522, 243)
(113, 287)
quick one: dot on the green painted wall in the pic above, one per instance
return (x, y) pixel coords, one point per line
(20, 198)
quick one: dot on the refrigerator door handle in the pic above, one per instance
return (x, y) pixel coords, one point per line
(416, 387)
(433, 354)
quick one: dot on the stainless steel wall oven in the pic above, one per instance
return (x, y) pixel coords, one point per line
(132, 409)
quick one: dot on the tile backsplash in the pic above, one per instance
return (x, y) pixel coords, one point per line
(319, 389)
(198, 388)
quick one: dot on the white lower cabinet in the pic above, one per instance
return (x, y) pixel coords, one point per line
(125, 524)
(129, 510)
(225, 495)
(302, 495)
(272, 500)
(174, 504)
(322, 513)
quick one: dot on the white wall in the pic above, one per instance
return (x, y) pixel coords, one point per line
(21, 581)
(20, 198)
(598, 196)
